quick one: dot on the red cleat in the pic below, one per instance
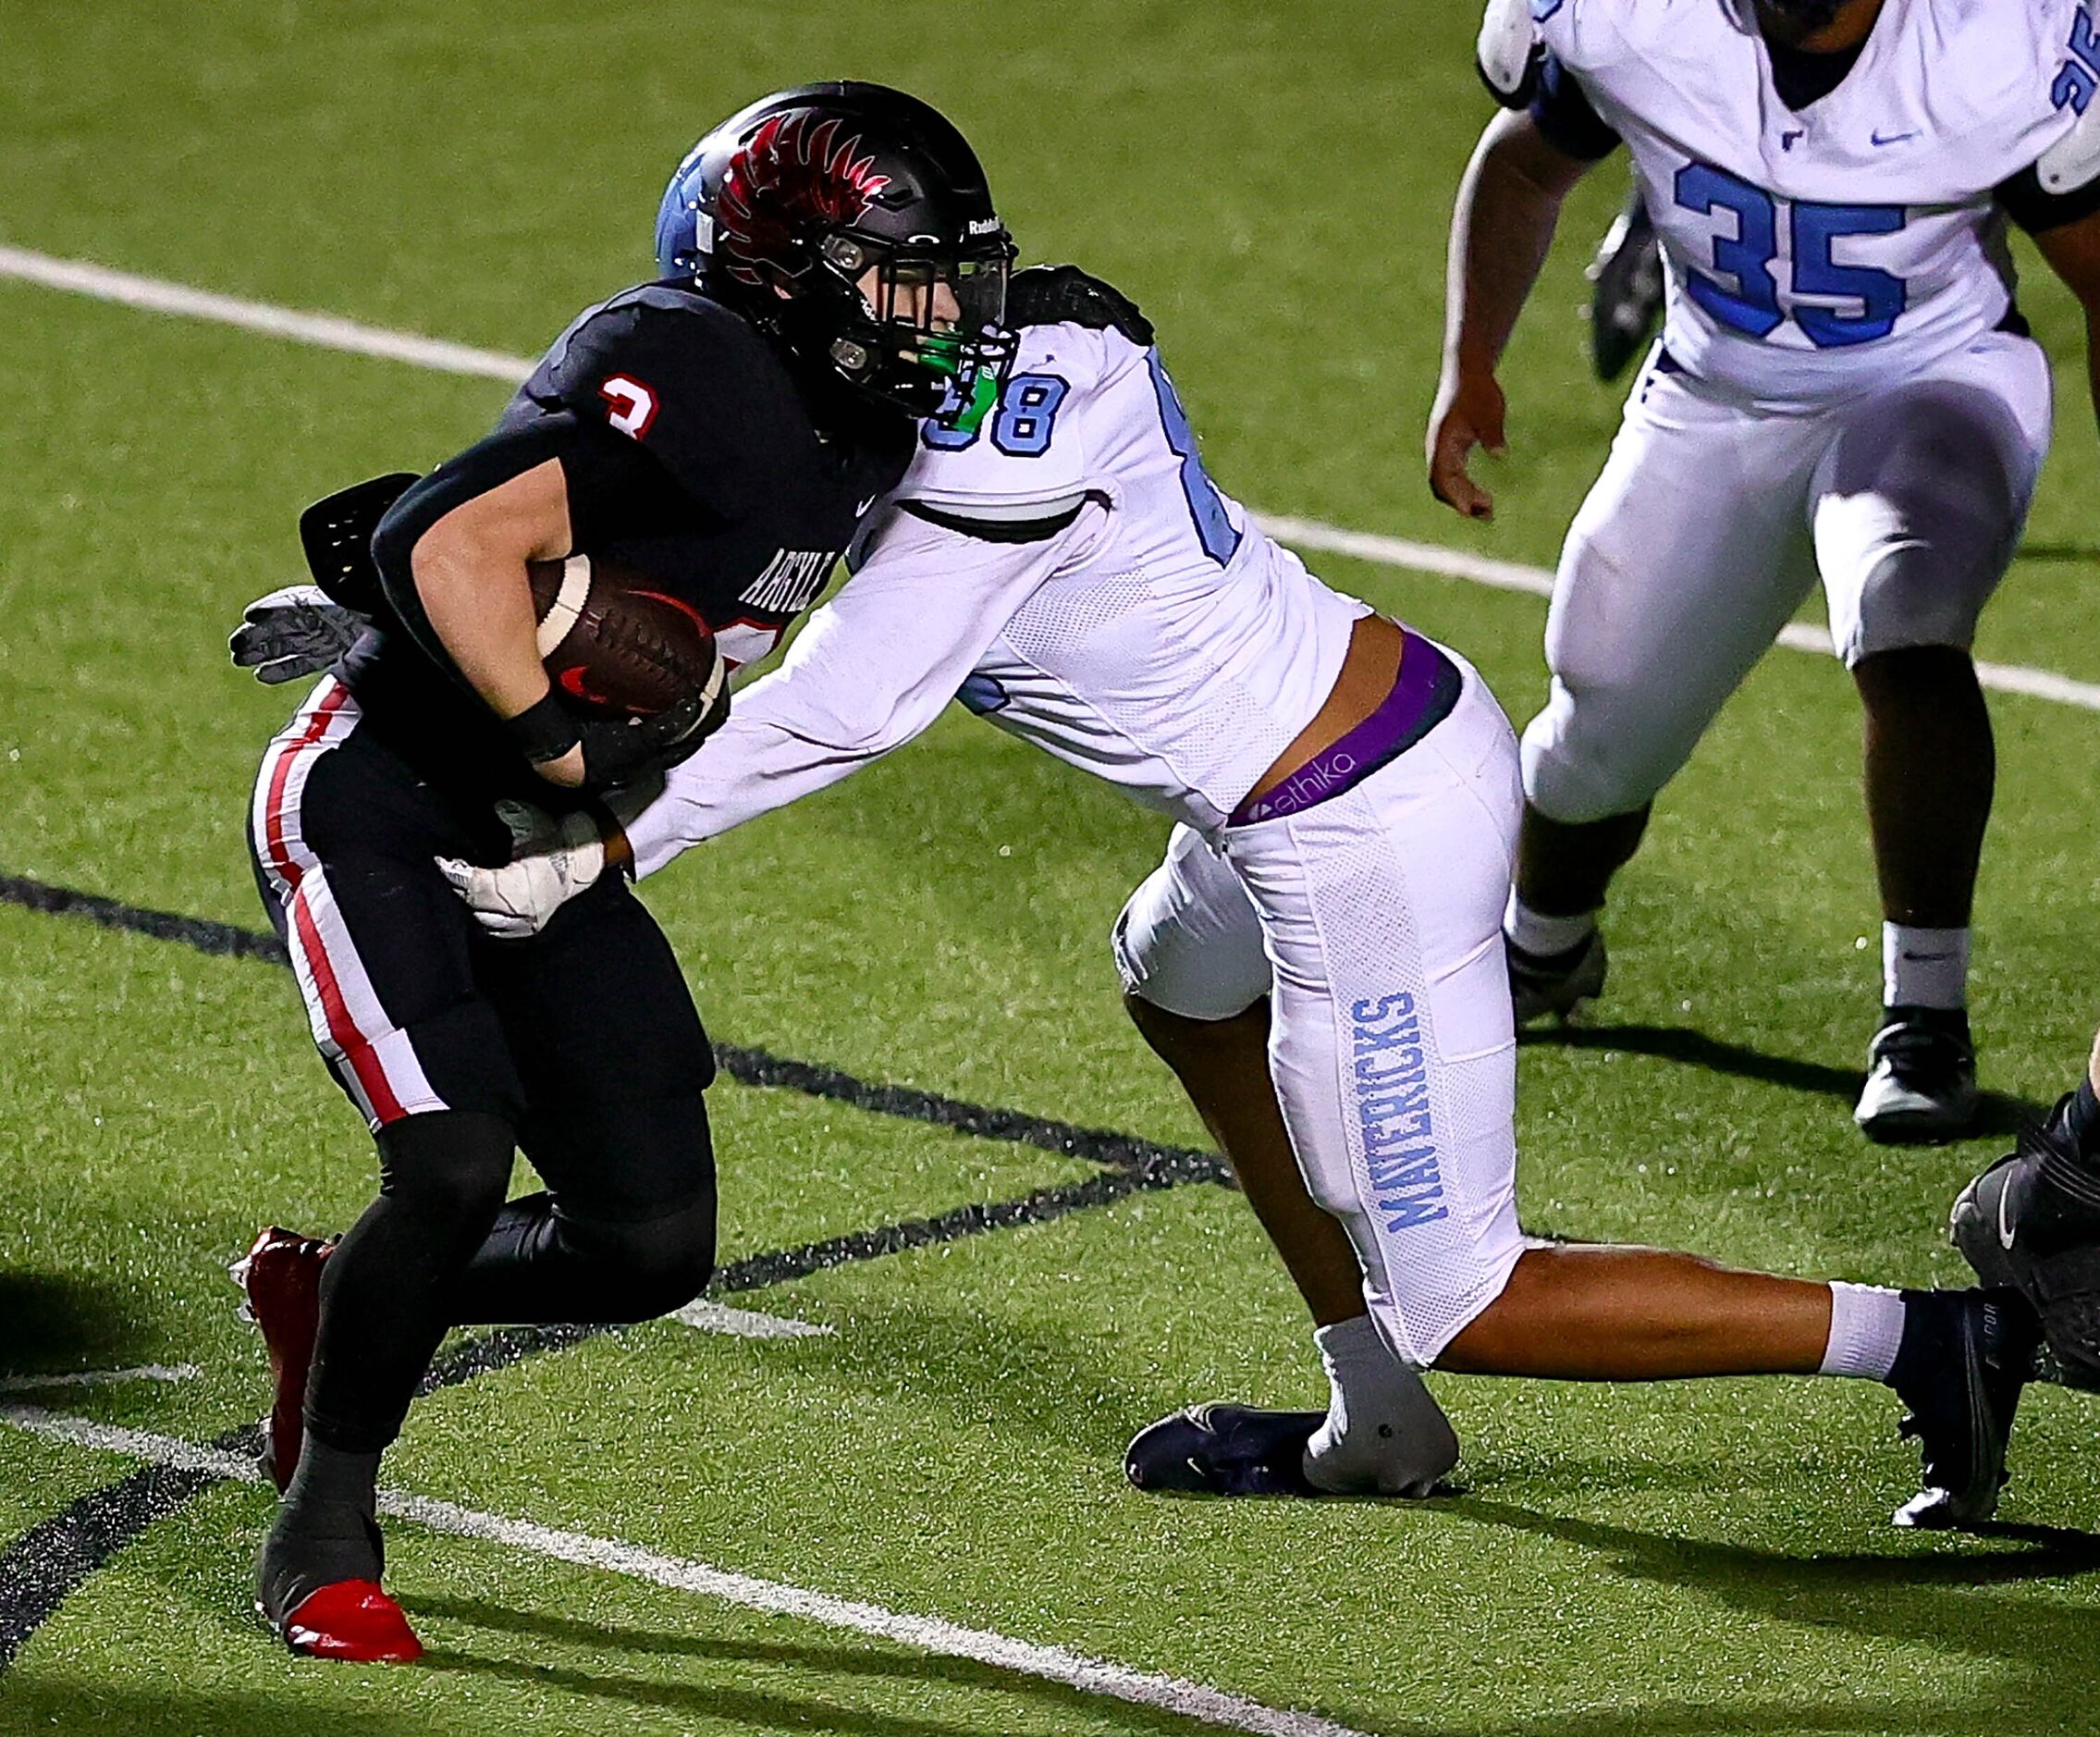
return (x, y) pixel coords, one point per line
(351, 1619)
(282, 1275)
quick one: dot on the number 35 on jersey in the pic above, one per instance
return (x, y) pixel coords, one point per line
(1739, 283)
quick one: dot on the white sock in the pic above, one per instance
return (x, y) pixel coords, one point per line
(1866, 1326)
(1923, 968)
(1384, 1434)
(1545, 935)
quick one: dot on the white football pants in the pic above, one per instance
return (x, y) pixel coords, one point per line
(1710, 523)
(1374, 921)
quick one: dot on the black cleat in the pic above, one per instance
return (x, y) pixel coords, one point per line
(1220, 1449)
(1556, 983)
(1959, 1406)
(2032, 1222)
(1627, 272)
(1920, 1078)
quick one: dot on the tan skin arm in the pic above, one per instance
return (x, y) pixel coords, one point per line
(1508, 204)
(2073, 252)
(470, 574)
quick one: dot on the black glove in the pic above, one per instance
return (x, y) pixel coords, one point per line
(1052, 295)
(295, 631)
(619, 750)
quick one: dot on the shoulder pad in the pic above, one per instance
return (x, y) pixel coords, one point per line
(337, 535)
(686, 324)
(1060, 295)
(1508, 51)
(2074, 160)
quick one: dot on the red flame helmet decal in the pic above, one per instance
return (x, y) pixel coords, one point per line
(793, 175)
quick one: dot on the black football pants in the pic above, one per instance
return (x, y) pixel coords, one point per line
(580, 1045)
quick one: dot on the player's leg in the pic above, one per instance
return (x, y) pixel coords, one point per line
(1195, 982)
(1394, 1057)
(1684, 561)
(609, 1044)
(2033, 1221)
(1916, 504)
(343, 836)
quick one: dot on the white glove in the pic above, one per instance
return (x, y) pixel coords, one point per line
(297, 630)
(552, 861)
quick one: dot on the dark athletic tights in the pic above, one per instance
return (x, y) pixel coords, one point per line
(439, 1249)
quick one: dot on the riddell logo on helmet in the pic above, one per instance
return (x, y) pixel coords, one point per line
(984, 225)
(790, 175)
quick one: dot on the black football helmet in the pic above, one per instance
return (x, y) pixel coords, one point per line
(783, 209)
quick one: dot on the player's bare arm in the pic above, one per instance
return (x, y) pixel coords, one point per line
(1501, 228)
(2073, 252)
(470, 574)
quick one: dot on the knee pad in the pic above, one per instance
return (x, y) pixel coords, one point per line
(1917, 510)
(1909, 601)
(451, 1165)
(1585, 759)
(1189, 941)
(652, 1265)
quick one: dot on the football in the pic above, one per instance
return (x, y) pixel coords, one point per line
(616, 640)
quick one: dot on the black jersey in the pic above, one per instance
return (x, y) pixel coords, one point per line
(692, 453)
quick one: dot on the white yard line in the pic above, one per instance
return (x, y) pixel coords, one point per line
(99, 1377)
(330, 332)
(1509, 575)
(746, 1323)
(1400, 551)
(325, 330)
(1054, 1664)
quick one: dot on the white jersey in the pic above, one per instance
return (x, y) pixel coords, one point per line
(1159, 640)
(1814, 254)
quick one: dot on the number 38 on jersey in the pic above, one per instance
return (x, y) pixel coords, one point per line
(1028, 461)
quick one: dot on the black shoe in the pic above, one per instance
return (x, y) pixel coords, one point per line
(1959, 1401)
(1556, 983)
(1627, 272)
(1920, 1078)
(1220, 1449)
(2031, 1221)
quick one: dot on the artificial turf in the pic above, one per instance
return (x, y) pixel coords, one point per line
(1271, 183)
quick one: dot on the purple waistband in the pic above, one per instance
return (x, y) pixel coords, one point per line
(1421, 699)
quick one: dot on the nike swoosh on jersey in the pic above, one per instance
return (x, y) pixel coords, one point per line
(1894, 138)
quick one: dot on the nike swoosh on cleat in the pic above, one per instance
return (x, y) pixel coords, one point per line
(2005, 1232)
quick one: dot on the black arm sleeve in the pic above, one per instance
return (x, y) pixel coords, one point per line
(2023, 199)
(1561, 111)
(996, 530)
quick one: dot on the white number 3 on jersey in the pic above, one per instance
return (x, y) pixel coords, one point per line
(631, 407)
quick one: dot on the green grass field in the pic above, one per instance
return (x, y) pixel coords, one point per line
(1271, 183)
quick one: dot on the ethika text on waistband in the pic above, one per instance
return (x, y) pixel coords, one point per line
(1421, 698)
